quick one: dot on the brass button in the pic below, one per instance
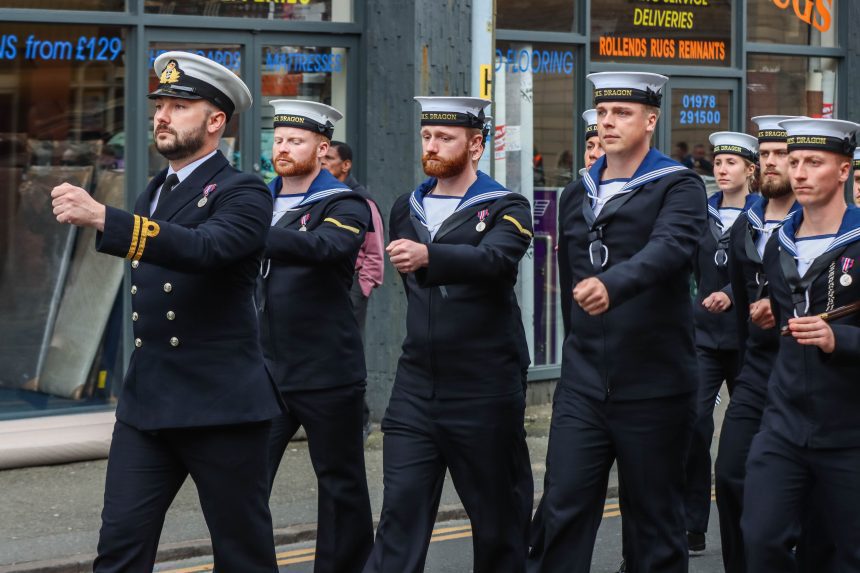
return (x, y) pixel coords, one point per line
(135, 264)
(174, 341)
(138, 342)
(134, 316)
(133, 289)
(168, 287)
(171, 315)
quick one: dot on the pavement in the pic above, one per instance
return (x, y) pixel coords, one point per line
(51, 514)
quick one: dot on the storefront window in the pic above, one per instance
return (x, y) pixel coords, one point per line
(111, 5)
(546, 16)
(309, 73)
(228, 55)
(61, 119)
(805, 23)
(692, 33)
(534, 153)
(301, 10)
(790, 85)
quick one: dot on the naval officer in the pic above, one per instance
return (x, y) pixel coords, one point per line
(458, 399)
(196, 399)
(628, 231)
(311, 339)
(808, 447)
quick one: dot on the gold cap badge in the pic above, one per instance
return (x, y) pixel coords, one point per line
(171, 73)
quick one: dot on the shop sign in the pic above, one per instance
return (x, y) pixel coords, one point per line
(699, 109)
(682, 32)
(520, 61)
(297, 62)
(230, 59)
(817, 13)
(79, 48)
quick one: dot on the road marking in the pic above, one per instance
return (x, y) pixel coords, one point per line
(308, 554)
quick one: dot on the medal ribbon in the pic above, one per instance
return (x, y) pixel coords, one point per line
(483, 215)
(209, 189)
(304, 220)
(847, 264)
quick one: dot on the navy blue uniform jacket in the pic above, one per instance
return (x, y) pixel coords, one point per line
(464, 331)
(197, 360)
(813, 397)
(717, 331)
(757, 346)
(310, 337)
(642, 347)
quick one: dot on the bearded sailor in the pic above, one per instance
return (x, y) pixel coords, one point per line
(808, 447)
(757, 338)
(311, 339)
(628, 231)
(458, 398)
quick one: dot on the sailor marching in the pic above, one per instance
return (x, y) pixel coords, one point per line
(808, 447)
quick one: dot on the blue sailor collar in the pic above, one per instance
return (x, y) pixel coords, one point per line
(484, 189)
(755, 213)
(654, 166)
(849, 231)
(324, 185)
(715, 200)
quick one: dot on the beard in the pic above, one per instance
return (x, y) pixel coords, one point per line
(774, 189)
(183, 145)
(435, 166)
(294, 168)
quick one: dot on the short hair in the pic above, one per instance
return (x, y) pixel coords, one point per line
(344, 151)
(682, 145)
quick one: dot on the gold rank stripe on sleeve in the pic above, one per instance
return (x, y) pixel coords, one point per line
(516, 223)
(337, 223)
(148, 229)
(135, 235)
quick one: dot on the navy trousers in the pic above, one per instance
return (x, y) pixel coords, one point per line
(788, 485)
(649, 438)
(332, 419)
(481, 442)
(145, 471)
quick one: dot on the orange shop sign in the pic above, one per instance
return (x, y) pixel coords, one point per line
(816, 13)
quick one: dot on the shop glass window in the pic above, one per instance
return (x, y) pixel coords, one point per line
(810, 83)
(536, 118)
(228, 55)
(301, 72)
(95, 5)
(694, 33)
(801, 22)
(61, 120)
(545, 16)
(296, 10)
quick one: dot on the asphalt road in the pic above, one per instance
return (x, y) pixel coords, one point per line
(451, 550)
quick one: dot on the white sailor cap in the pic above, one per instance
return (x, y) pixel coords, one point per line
(582, 172)
(856, 162)
(637, 87)
(769, 128)
(590, 117)
(834, 135)
(310, 115)
(735, 143)
(190, 76)
(457, 111)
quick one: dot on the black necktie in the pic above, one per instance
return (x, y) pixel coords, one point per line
(169, 183)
